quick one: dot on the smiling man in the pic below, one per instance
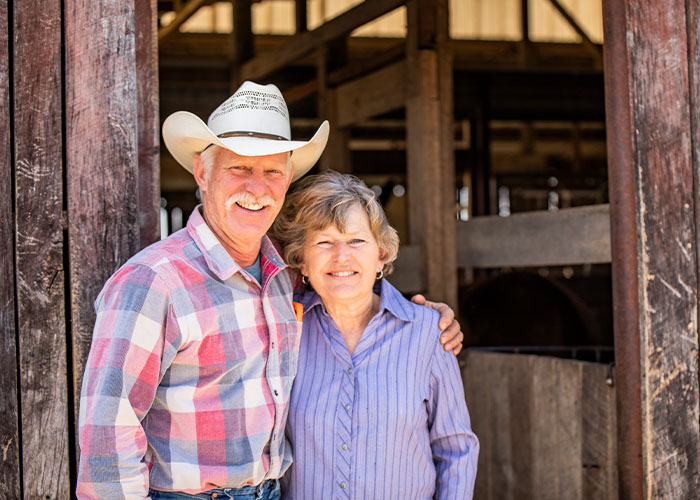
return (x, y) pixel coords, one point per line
(195, 346)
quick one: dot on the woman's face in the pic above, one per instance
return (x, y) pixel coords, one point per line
(343, 266)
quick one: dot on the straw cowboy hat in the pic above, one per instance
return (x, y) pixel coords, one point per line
(252, 122)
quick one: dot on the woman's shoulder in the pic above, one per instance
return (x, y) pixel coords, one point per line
(424, 319)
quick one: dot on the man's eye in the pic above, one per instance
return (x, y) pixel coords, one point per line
(274, 171)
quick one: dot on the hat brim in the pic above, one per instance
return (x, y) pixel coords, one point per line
(185, 135)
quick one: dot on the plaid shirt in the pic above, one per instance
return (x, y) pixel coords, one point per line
(188, 379)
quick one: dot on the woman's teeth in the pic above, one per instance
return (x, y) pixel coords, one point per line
(343, 273)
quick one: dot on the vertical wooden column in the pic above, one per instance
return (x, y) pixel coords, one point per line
(242, 39)
(10, 478)
(651, 79)
(336, 156)
(146, 20)
(429, 146)
(41, 319)
(101, 155)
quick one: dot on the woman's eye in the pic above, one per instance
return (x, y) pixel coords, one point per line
(324, 243)
(356, 241)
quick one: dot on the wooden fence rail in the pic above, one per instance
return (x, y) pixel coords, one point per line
(547, 427)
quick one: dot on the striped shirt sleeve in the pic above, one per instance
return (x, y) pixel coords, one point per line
(454, 446)
(121, 377)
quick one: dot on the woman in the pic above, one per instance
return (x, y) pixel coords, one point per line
(377, 408)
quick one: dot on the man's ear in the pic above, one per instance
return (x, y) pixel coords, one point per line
(199, 172)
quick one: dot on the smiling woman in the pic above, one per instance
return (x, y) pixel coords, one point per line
(377, 408)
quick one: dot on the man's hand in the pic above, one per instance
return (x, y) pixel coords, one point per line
(452, 336)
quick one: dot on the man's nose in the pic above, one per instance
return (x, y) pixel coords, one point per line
(255, 184)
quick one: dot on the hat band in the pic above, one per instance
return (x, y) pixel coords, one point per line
(252, 134)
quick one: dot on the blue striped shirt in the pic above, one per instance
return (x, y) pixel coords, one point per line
(390, 421)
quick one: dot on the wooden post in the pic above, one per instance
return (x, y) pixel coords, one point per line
(146, 17)
(429, 146)
(41, 319)
(242, 40)
(651, 89)
(101, 155)
(300, 16)
(10, 480)
(336, 156)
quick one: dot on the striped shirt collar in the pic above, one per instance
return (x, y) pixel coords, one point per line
(390, 299)
(218, 259)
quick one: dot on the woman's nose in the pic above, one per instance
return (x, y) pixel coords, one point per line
(341, 251)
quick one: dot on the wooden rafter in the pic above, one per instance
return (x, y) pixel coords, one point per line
(585, 39)
(304, 43)
(183, 15)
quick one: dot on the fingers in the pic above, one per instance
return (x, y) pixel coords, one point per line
(452, 337)
(447, 317)
(418, 299)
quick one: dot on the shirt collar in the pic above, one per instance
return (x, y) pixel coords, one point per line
(218, 259)
(390, 299)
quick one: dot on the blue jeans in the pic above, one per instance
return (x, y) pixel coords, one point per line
(267, 490)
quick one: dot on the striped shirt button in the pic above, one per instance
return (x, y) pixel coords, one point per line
(349, 371)
(345, 446)
(347, 407)
(343, 484)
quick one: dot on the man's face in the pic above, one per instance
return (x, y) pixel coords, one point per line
(242, 195)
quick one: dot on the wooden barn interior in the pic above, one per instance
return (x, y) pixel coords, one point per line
(481, 126)
(540, 160)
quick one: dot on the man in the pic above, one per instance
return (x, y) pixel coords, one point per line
(196, 340)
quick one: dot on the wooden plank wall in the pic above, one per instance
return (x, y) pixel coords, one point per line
(9, 406)
(651, 78)
(79, 145)
(40, 277)
(547, 427)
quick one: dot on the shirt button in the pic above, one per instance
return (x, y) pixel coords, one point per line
(272, 345)
(349, 371)
(345, 446)
(347, 407)
(276, 393)
(343, 485)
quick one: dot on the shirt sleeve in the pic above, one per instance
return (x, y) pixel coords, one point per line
(454, 446)
(121, 376)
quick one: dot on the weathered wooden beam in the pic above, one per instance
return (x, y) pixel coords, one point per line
(181, 16)
(304, 43)
(146, 19)
(371, 95)
(101, 156)
(546, 427)
(10, 480)
(430, 155)
(652, 129)
(547, 238)
(242, 40)
(41, 318)
(585, 39)
(300, 16)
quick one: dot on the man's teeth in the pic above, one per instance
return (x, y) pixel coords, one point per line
(250, 206)
(343, 273)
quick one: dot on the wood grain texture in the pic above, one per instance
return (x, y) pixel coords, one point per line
(542, 238)
(40, 248)
(102, 154)
(9, 431)
(146, 18)
(431, 201)
(546, 427)
(373, 94)
(303, 43)
(657, 45)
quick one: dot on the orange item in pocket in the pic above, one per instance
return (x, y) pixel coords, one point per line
(298, 310)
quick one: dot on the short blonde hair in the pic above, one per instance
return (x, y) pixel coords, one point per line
(324, 200)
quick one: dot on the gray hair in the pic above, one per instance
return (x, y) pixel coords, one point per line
(324, 200)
